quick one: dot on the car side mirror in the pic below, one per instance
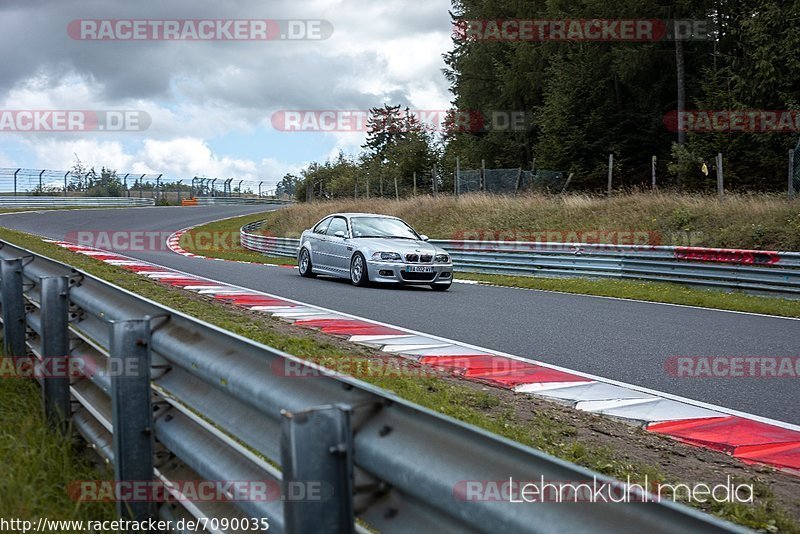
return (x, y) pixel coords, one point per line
(340, 233)
(423, 237)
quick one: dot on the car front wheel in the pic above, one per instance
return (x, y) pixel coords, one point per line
(304, 265)
(358, 270)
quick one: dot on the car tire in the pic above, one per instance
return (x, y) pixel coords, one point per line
(441, 287)
(359, 276)
(304, 264)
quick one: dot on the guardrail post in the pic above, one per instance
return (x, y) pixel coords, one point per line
(317, 462)
(13, 308)
(55, 350)
(132, 413)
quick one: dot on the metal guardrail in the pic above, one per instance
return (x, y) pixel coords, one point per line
(73, 202)
(196, 402)
(775, 273)
(239, 200)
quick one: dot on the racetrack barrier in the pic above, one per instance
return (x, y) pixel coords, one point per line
(194, 402)
(753, 271)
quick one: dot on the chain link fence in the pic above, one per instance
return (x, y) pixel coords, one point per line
(796, 175)
(509, 181)
(49, 183)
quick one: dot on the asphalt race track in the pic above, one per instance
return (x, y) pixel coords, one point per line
(621, 340)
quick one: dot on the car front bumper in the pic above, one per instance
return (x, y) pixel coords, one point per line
(397, 273)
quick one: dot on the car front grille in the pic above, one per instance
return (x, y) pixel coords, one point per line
(417, 258)
(418, 277)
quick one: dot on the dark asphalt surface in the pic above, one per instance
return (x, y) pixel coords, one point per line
(621, 340)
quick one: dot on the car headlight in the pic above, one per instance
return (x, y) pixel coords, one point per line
(387, 256)
(441, 258)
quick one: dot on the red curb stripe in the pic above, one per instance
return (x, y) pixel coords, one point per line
(362, 330)
(721, 255)
(142, 268)
(726, 434)
(503, 372)
(785, 455)
(330, 323)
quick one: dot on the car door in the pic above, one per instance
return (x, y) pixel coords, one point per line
(317, 241)
(336, 247)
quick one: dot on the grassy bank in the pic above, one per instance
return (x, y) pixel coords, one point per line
(38, 464)
(277, 222)
(607, 446)
(752, 221)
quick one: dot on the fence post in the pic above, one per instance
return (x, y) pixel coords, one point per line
(259, 188)
(15, 181)
(396, 193)
(41, 190)
(610, 172)
(519, 181)
(179, 191)
(720, 177)
(65, 183)
(434, 181)
(415, 184)
(55, 351)
(158, 187)
(482, 184)
(317, 462)
(655, 162)
(791, 173)
(13, 308)
(457, 181)
(132, 413)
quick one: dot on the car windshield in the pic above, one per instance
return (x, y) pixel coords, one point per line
(381, 227)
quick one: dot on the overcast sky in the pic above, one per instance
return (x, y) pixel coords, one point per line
(211, 101)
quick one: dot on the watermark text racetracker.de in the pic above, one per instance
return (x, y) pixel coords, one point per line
(580, 30)
(733, 366)
(145, 240)
(733, 121)
(199, 29)
(55, 120)
(431, 120)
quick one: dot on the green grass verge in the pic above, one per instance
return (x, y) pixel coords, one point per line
(39, 463)
(227, 246)
(647, 291)
(464, 402)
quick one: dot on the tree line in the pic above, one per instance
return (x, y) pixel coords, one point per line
(575, 101)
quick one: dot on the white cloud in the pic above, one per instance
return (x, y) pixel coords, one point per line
(380, 52)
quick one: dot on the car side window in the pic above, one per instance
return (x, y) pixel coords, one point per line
(338, 224)
(322, 226)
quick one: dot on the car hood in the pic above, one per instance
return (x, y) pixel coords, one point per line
(401, 246)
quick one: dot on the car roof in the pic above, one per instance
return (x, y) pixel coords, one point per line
(349, 215)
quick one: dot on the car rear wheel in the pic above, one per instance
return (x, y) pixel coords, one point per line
(441, 287)
(358, 270)
(304, 265)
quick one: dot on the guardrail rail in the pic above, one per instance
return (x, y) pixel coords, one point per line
(754, 271)
(73, 202)
(196, 402)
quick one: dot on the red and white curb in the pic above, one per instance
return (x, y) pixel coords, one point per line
(747, 437)
(174, 244)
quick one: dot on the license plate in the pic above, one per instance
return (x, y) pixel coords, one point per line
(418, 269)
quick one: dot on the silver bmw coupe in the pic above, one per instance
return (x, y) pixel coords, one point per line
(366, 247)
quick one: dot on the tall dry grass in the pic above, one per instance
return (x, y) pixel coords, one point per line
(740, 221)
